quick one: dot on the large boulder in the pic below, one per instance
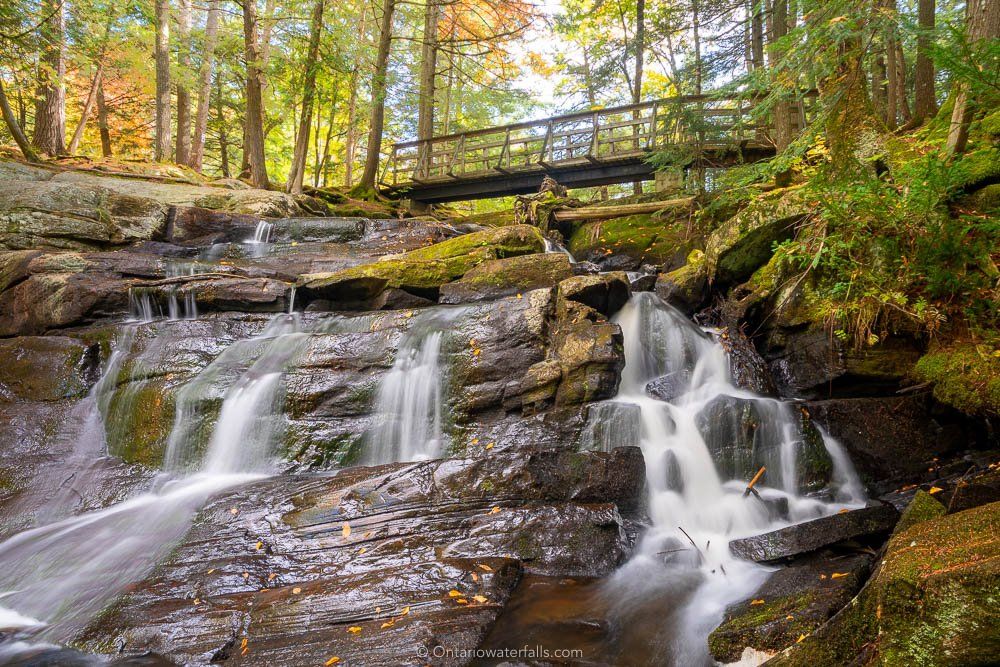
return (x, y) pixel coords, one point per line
(605, 292)
(498, 278)
(891, 440)
(685, 288)
(932, 601)
(746, 241)
(424, 270)
(628, 242)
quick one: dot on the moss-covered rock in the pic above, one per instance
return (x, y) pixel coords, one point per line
(746, 241)
(606, 292)
(685, 288)
(498, 278)
(640, 238)
(425, 270)
(923, 507)
(966, 377)
(794, 601)
(933, 601)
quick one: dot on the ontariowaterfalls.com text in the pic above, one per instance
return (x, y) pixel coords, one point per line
(530, 652)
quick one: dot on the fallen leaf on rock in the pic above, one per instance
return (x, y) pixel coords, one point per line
(296, 590)
(481, 599)
(271, 576)
(347, 530)
(757, 602)
(495, 510)
(454, 594)
(801, 637)
(354, 629)
(484, 568)
(475, 577)
(243, 644)
(233, 511)
(260, 545)
(491, 445)
(332, 661)
(838, 575)
(406, 610)
(211, 571)
(362, 550)
(388, 624)
(462, 601)
(934, 489)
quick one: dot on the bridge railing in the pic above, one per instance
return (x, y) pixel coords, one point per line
(597, 136)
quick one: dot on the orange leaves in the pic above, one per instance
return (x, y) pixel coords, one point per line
(484, 568)
(354, 629)
(838, 575)
(332, 661)
(454, 594)
(757, 602)
(346, 531)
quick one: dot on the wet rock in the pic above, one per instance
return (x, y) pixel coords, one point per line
(643, 281)
(624, 244)
(505, 277)
(46, 301)
(816, 534)
(931, 601)
(417, 532)
(239, 294)
(606, 293)
(46, 368)
(744, 435)
(590, 357)
(327, 230)
(793, 601)
(749, 370)
(668, 387)
(891, 441)
(611, 424)
(191, 225)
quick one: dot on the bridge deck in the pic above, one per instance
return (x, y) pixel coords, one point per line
(581, 149)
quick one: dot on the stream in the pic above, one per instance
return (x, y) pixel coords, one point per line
(701, 441)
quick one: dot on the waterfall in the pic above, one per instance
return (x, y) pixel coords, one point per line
(409, 403)
(701, 445)
(261, 241)
(64, 573)
(141, 307)
(552, 246)
(189, 309)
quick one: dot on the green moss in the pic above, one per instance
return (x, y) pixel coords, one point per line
(140, 416)
(923, 507)
(965, 377)
(976, 168)
(727, 640)
(647, 238)
(440, 263)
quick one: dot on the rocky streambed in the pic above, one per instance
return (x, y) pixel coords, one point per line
(233, 431)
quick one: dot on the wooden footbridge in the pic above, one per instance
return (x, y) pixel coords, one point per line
(582, 149)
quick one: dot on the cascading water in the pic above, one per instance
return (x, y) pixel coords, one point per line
(409, 401)
(695, 488)
(176, 309)
(55, 578)
(552, 246)
(261, 241)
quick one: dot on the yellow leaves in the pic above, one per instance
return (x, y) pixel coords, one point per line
(475, 577)
(211, 570)
(362, 550)
(838, 575)
(757, 602)
(491, 445)
(387, 624)
(406, 611)
(244, 649)
(233, 510)
(332, 661)
(475, 441)
(454, 594)
(409, 314)
(462, 601)
(296, 590)
(346, 530)
(935, 489)
(484, 568)
(520, 296)
(271, 576)
(197, 602)
(481, 599)
(495, 510)
(476, 352)
(801, 637)
(789, 617)
(354, 629)
(260, 545)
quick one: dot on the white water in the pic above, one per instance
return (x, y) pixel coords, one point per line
(261, 241)
(63, 573)
(176, 309)
(695, 510)
(552, 246)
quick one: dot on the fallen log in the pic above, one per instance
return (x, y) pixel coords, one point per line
(605, 212)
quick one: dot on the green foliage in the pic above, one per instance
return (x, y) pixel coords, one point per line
(966, 377)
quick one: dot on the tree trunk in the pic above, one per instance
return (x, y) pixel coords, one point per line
(640, 54)
(982, 23)
(782, 109)
(220, 115)
(49, 135)
(253, 140)
(182, 152)
(924, 100)
(205, 85)
(298, 169)
(378, 96)
(102, 120)
(880, 92)
(15, 128)
(428, 71)
(88, 106)
(351, 141)
(161, 145)
(757, 35)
